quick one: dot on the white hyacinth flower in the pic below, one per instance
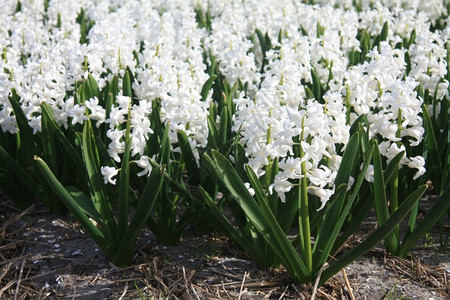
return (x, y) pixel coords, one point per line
(144, 163)
(108, 174)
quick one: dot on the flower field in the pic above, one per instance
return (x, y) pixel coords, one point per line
(280, 124)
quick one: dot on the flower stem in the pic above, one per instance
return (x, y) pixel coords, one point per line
(394, 199)
(303, 213)
(394, 180)
(347, 104)
(305, 231)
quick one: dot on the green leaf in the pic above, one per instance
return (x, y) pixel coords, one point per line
(320, 30)
(108, 106)
(317, 86)
(384, 32)
(272, 170)
(206, 87)
(309, 93)
(358, 212)
(257, 187)
(164, 155)
(73, 206)
(18, 7)
(103, 152)
(214, 137)
(12, 166)
(434, 164)
(96, 185)
(229, 230)
(393, 165)
(84, 202)
(365, 45)
(261, 217)
(287, 210)
(438, 210)
(124, 190)
(189, 158)
(330, 227)
(223, 127)
(408, 63)
(155, 120)
(70, 150)
(126, 84)
(144, 208)
(303, 30)
(356, 124)
(50, 152)
(262, 41)
(348, 160)
(411, 222)
(446, 168)
(93, 87)
(375, 237)
(381, 207)
(379, 186)
(86, 92)
(266, 45)
(268, 41)
(31, 144)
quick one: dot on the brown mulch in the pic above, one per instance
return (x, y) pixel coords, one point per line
(43, 256)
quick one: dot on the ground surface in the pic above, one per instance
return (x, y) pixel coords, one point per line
(46, 256)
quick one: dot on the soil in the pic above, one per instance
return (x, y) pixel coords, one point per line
(46, 256)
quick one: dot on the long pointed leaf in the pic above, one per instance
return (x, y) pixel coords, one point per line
(228, 229)
(434, 164)
(375, 237)
(436, 212)
(126, 84)
(50, 152)
(72, 153)
(31, 144)
(12, 166)
(93, 86)
(146, 202)
(348, 160)
(189, 158)
(381, 206)
(96, 184)
(317, 86)
(84, 203)
(206, 87)
(213, 133)
(328, 230)
(358, 215)
(124, 190)
(223, 126)
(73, 206)
(393, 165)
(263, 221)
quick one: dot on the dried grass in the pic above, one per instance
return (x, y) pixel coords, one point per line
(156, 278)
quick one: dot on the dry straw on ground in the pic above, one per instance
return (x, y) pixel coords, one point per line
(44, 256)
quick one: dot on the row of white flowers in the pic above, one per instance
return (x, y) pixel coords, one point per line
(42, 58)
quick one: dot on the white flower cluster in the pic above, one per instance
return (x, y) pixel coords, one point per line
(45, 52)
(42, 57)
(379, 88)
(270, 122)
(39, 60)
(434, 9)
(172, 70)
(229, 42)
